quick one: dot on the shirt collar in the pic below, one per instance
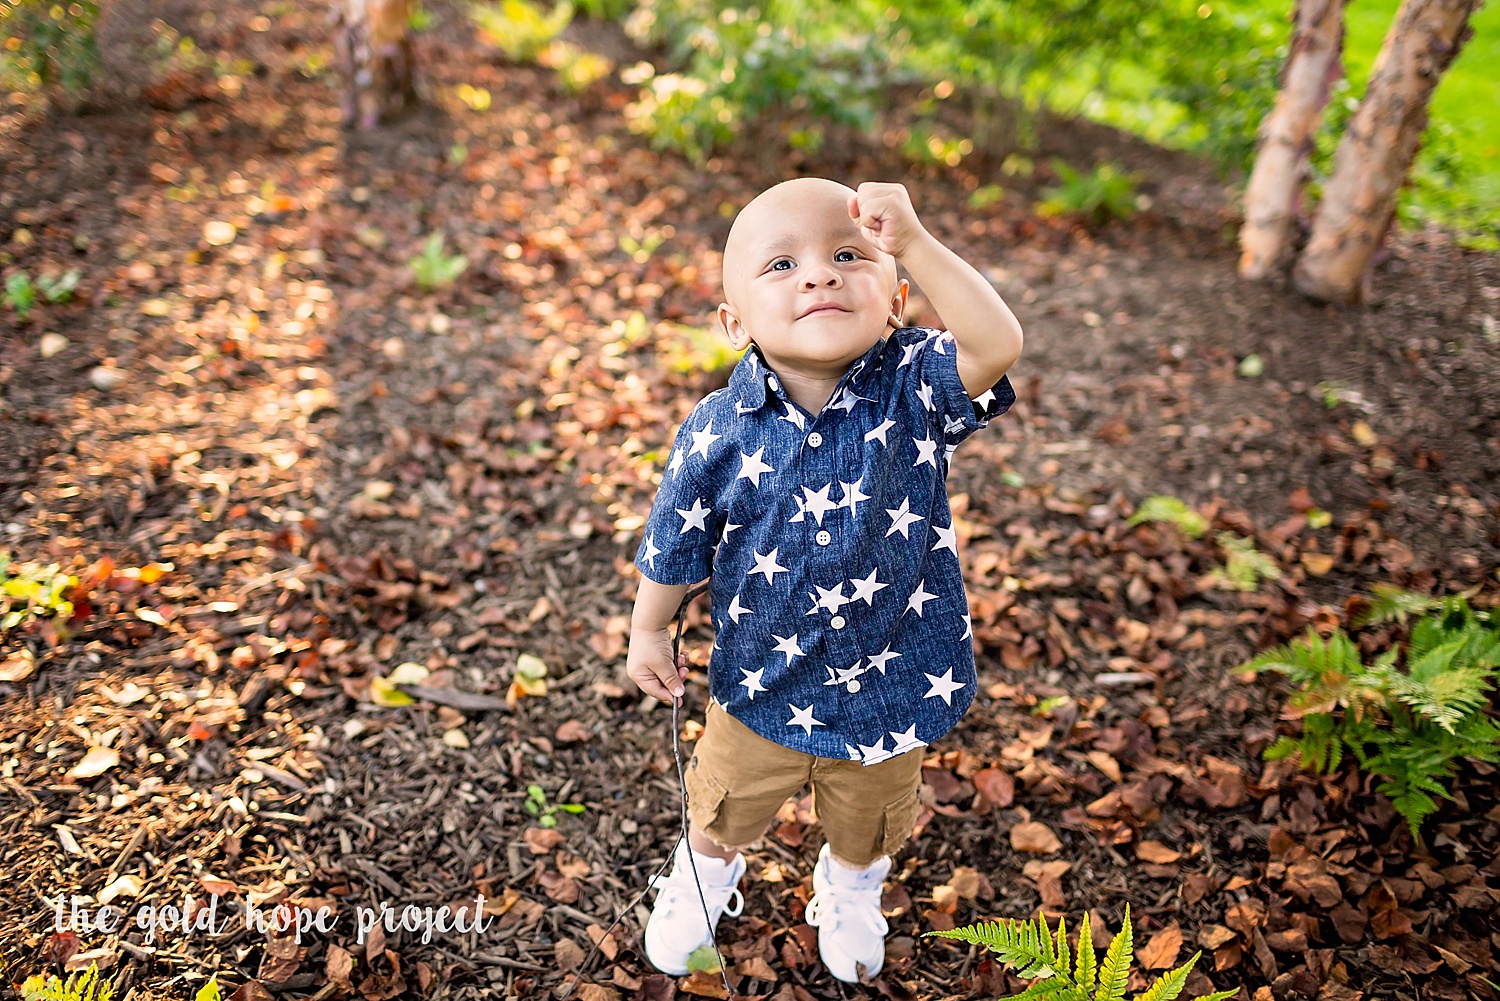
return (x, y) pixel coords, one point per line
(751, 379)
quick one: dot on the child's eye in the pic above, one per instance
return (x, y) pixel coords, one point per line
(777, 264)
(845, 256)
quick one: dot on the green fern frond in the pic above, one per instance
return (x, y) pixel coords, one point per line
(1169, 984)
(1169, 509)
(1087, 969)
(1114, 975)
(1062, 957)
(1394, 603)
(1244, 565)
(1060, 988)
(82, 985)
(1026, 945)
(1216, 995)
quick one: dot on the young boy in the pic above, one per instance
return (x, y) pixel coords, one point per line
(811, 490)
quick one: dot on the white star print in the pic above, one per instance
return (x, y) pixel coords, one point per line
(853, 754)
(941, 339)
(729, 528)
(817, 503)
(909, 351)
(751, 467)
(867, 587)
(788, 646)
(968, 626)
(801, 510)
(736, 610)
(803, 718)
(740, 408)
(953, 424)
(694, 518)
(902, 518)
(926, 451)
(752, 683)
(905, 740)
(943, 686)
(852, 496)
(651, 553)
(880, 431)
(847, 399)
(795, 416)
(676, 462)
(919, 597)
(878, 661)
(703, 439)
(947, 538)
(767, 565)
(925, 395)
(831, 598)
(985, 398)
(875, 752)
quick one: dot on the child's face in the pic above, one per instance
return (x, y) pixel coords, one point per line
(803, 283)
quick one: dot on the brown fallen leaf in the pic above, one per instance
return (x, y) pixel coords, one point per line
(1033, 836)
(1155, 851)
(965, 882)
(996, 786)
(542, 840)
(1161, 952)
(704, 985)
(1213, 936)
(1048, 879)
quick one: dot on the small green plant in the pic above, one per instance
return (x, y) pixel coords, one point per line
(984, 197)
(1160, 507)
(519, 28)
(82, 985)
(32, 591)
(209, 991)
(641, 250)
(48, 43)
(1410, 727)
(433, 268)
(1039, 955)
(20, 294)
(59, 288)
(1245, 566)
(700, 350)
(577, 68)
(1097, 196)
(536, 804)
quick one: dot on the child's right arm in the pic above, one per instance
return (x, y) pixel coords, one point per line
(649, 661)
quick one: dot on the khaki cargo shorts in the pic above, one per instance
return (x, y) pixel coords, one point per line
(737, 780)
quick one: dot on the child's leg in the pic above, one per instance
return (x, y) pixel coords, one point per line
(705, 845)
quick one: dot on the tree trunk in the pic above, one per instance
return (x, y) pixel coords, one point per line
(375, 56)
(1287, 134)
(1376, 153)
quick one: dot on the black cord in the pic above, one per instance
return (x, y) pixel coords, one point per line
(681, 614)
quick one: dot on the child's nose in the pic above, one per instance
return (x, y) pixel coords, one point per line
(818, 277)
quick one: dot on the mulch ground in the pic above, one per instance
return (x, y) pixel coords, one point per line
(306, 471)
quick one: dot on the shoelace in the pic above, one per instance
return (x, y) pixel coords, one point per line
(844, 904)
(682, 883)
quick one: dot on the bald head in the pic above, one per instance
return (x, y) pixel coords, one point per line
(774, 221)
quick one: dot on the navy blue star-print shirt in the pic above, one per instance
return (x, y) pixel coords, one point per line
(842, 626)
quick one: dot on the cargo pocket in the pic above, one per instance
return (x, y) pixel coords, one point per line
(896, 823)
(705, 795)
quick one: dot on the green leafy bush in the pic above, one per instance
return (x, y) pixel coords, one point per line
(20, 293)
(1411, 727)
(1101, 194)
(433, 268)
(48, 43)
(1037, 954)
(29, 590)
(519, 28)
(1244, 565)
(1161, 507)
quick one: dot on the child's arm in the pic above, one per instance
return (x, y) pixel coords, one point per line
(649, 661)
(986, 331)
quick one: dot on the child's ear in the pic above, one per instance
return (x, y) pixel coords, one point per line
(739, 337)
(897, 319)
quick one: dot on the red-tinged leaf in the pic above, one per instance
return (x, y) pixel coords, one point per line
(60, 947)
(996, 786)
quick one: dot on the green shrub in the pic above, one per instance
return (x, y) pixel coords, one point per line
(48, 43)
(1037, 954)
(1411, 727)
(519, 28)
(85, 985)
(1101, 194)
(20, 294)
(1160, 507)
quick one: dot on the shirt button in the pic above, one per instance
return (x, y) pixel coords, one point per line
(823, 537)
(852, 687)
(771, 379)
(815, 439)
(837, 622)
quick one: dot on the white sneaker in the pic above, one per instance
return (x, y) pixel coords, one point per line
(676, 926)
(845, 908)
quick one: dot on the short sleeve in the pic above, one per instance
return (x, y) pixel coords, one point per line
(683, 528)
(954, 411)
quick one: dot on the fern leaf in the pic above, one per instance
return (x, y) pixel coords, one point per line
(1392, 602)
(1063, 960)
(1169, 984)
(1087, 969)
(1024, 945)
(1216, 995)
(1115, 973)
(1042, 990)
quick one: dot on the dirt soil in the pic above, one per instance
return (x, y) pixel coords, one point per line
(281, 469)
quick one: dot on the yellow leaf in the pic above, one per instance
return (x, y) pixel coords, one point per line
(456, 738)
(383, 693)
(409, 673)
(531, 668)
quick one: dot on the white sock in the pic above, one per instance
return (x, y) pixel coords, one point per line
(846, 876)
